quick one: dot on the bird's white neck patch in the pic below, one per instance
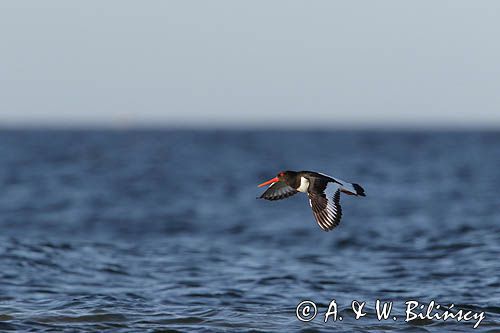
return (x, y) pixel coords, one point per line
(304, 185)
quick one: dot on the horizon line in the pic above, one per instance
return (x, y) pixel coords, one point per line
(229, 127)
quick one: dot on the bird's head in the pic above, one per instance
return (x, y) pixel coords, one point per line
(282, 176)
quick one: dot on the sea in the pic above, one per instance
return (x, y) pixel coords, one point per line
(161, 231)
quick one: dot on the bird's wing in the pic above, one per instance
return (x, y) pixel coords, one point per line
(345, 187)
(277, 191)
(326, 209)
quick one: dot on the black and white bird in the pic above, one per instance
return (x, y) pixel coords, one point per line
(323, 192)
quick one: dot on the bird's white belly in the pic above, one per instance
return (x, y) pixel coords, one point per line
(304, 185)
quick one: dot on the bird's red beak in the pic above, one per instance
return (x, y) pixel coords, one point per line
(274, 180)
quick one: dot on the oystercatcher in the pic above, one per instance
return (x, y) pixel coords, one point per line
(323, 192)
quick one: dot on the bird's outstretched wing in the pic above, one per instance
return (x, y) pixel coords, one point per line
(327, 211)
(277, 191)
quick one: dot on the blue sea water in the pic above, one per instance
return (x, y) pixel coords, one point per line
(161, 231)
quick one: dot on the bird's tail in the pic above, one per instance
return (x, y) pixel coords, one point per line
(352, 189)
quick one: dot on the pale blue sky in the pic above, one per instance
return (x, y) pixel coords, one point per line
(250, 63)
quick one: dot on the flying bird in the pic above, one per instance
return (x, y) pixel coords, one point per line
(323, 192)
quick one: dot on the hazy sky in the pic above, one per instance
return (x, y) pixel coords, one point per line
(249, 63)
